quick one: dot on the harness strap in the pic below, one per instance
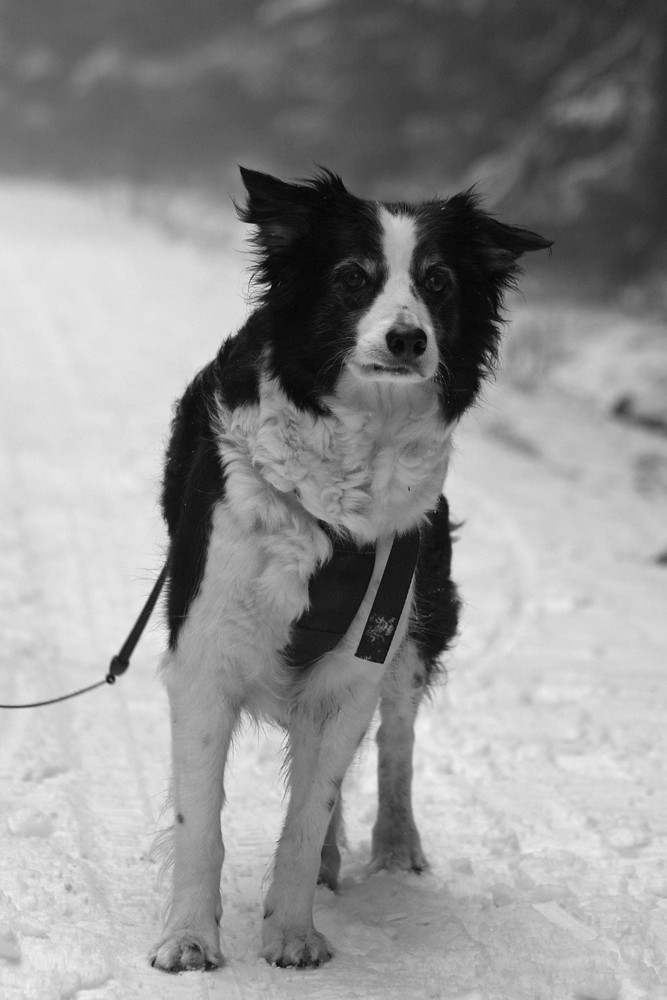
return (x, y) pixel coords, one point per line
(337, 590)
(390, 599)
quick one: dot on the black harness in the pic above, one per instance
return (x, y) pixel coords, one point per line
(336, 591)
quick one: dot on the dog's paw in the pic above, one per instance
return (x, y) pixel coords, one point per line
(398, 860)
(186, 951)
(302, 949)
(397, 850)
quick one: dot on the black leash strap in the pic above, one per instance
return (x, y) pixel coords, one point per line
(121, 661)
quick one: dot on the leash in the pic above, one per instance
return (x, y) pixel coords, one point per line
(121, 661)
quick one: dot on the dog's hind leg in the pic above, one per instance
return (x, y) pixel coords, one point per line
(330, 857)
(323, 737)
(396, 842)
(202, 723)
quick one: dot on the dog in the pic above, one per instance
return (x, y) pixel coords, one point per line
(310, 543)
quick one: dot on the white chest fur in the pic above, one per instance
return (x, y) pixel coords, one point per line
(374, 464)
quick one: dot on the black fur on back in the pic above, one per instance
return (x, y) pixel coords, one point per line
(194, 479)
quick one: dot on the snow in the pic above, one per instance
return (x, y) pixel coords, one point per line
(540, 767)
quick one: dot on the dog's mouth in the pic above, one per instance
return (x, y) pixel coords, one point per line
(374, 370)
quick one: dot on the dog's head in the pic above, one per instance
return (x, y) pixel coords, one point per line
(396, 293)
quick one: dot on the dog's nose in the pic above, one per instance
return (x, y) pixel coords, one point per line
(406, 344)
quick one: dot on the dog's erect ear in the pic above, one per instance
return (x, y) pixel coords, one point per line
(495, 245)
(265, 188)
(285, 215)
(503, 244)
(282, 211)
(269, 194)
(275, 207)
(261, 185)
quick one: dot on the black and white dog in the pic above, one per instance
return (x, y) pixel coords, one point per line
(309, 565)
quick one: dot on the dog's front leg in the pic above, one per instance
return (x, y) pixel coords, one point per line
(396, 842)
(322, 741)
(202, 722)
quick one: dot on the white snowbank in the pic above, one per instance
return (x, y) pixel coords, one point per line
(540, 768)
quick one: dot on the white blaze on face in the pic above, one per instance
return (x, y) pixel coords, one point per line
(396, 307)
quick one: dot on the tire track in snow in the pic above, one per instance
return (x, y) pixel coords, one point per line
(16, 623)
(496, 566)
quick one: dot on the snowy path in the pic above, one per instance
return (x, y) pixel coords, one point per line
(540, 773)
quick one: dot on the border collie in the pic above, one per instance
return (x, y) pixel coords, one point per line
(309, 561)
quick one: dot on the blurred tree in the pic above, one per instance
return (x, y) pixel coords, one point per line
(557, 108)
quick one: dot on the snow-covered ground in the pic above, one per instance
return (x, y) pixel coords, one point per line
(540, 769)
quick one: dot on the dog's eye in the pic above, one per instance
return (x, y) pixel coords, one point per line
(353, 276)
(436, 280)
